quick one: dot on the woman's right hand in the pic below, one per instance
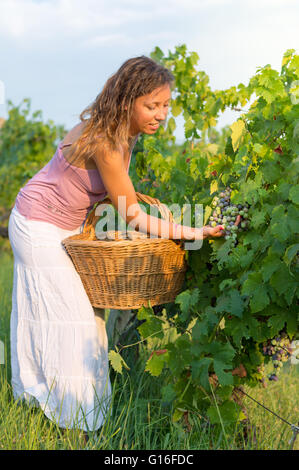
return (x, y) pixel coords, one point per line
(207, 231)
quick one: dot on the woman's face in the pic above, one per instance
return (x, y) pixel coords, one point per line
(150, 110)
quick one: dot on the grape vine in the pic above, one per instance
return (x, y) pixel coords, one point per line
(232, 217)
(279, 350)
(241, 292)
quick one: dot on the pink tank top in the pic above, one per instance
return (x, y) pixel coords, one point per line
(60, 193)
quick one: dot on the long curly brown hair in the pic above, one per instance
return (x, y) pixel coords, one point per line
(110, 114)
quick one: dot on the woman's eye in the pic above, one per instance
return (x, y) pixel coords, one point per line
(152, 108)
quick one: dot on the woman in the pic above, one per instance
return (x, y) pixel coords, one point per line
(58, 344)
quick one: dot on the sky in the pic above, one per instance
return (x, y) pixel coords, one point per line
(59, 53)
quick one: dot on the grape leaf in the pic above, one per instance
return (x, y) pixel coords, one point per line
(293, 219)
(240, 256)
(226, 412)
(225, 392)
(236, 303)
(171, 125)
(229, 148)
(287, 56)
(230, 303)
(189, 127)
(117, 361)
(282, 279)
(290, 253)
(200, 371)
(223, 355)
(290, 291)
(227, 283)
(253, 239)
(203, 326)
(222, 253)
(258, 218)
(294, 194)
(279, 226)
(208, 212)
(270, 264)
(177, 415)
(250, 328)
(255, 288)
(187, 299)
(271, 171)
(152, 326)
(280, 230)
(250, 191)
(238, 130)
(283, 189)
(155, 364)
(168, 393)
(176, 108)
(213, 186)
(225, 378)
(277, 322)
(157, 54)
(179, 354)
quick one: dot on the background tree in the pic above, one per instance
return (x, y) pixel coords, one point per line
(26, 145)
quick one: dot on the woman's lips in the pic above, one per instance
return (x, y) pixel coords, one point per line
(154, 126)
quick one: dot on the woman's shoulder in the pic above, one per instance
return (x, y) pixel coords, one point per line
(104, 150)
(74, 133)
(78, 129)
(78, 160)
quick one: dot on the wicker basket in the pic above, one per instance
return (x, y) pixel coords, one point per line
(127, 273)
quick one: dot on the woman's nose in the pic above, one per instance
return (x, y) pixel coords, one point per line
(161, 115)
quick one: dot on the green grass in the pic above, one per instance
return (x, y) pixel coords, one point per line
(139, 419)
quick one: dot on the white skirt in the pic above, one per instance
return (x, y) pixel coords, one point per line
(59, 348)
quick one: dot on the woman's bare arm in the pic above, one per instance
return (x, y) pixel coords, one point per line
(122, 194)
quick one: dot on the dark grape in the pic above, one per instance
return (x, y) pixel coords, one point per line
(278, 350)
(226, 213)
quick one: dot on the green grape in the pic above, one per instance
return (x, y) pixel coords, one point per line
(226, 213)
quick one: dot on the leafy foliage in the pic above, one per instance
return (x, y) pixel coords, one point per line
(26, 145)
(236, 295)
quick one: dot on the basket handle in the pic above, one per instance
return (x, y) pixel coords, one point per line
(92, 219)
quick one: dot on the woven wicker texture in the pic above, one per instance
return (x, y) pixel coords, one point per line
(127, 271)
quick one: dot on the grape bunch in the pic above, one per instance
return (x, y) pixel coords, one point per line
(279, 351)
(226, 214)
